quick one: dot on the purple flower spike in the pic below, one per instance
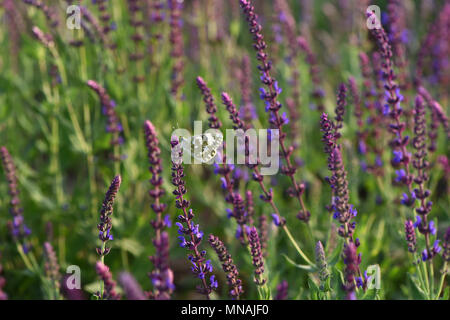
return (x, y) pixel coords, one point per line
(234, 283)
(192, 236)
(105, 224)
(108, 108)
(17, 227)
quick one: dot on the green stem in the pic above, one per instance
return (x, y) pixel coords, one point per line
(294, 243)
(441, 282)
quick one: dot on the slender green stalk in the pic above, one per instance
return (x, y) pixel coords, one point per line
(294, 243)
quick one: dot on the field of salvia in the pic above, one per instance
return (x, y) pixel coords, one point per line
(95, 204)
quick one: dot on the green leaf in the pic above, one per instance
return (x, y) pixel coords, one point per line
(415, 281)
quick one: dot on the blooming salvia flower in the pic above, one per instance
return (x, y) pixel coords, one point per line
(176, 40)
(393, 98)
(282, 290)
(270, 94)
(19, 230)
(51, 269)
(343, 211)
(211, 107)
(228, 183)
(108, 108)
(340, 107)
(421, 164)
(131, 287)
(161, 276)
(136, 22)
(232, 274)
(106, 211)
(190, 234)
(410, 236)
(257, 257)
(109, 292)
(352, 261)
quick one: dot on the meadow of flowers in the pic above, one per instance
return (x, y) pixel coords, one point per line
(95, 204)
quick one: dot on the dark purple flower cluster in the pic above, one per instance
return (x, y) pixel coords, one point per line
(190, 234)
(282, 290)
(17, 226)
(343, 211)
(108, 108)
(176, 39)
(269, 94)
(106, 211)
(352, 261)
(155, 168)
(162, 276)
(228, 266)
(340, 108)
(136, 22)
(211, 107)
(257, 257)
(410, 236)
(393, 109)
(109, 291)
(234, 114)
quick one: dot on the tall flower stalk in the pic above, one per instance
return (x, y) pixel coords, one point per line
(162, 276)
(17, 227)
(108, 109)
(228, 266)
(51, 270)
(105, 235)
(229, 183)
(269, 94)
(267, 193)
(393, 97)
(177, 51)
(190, 234)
